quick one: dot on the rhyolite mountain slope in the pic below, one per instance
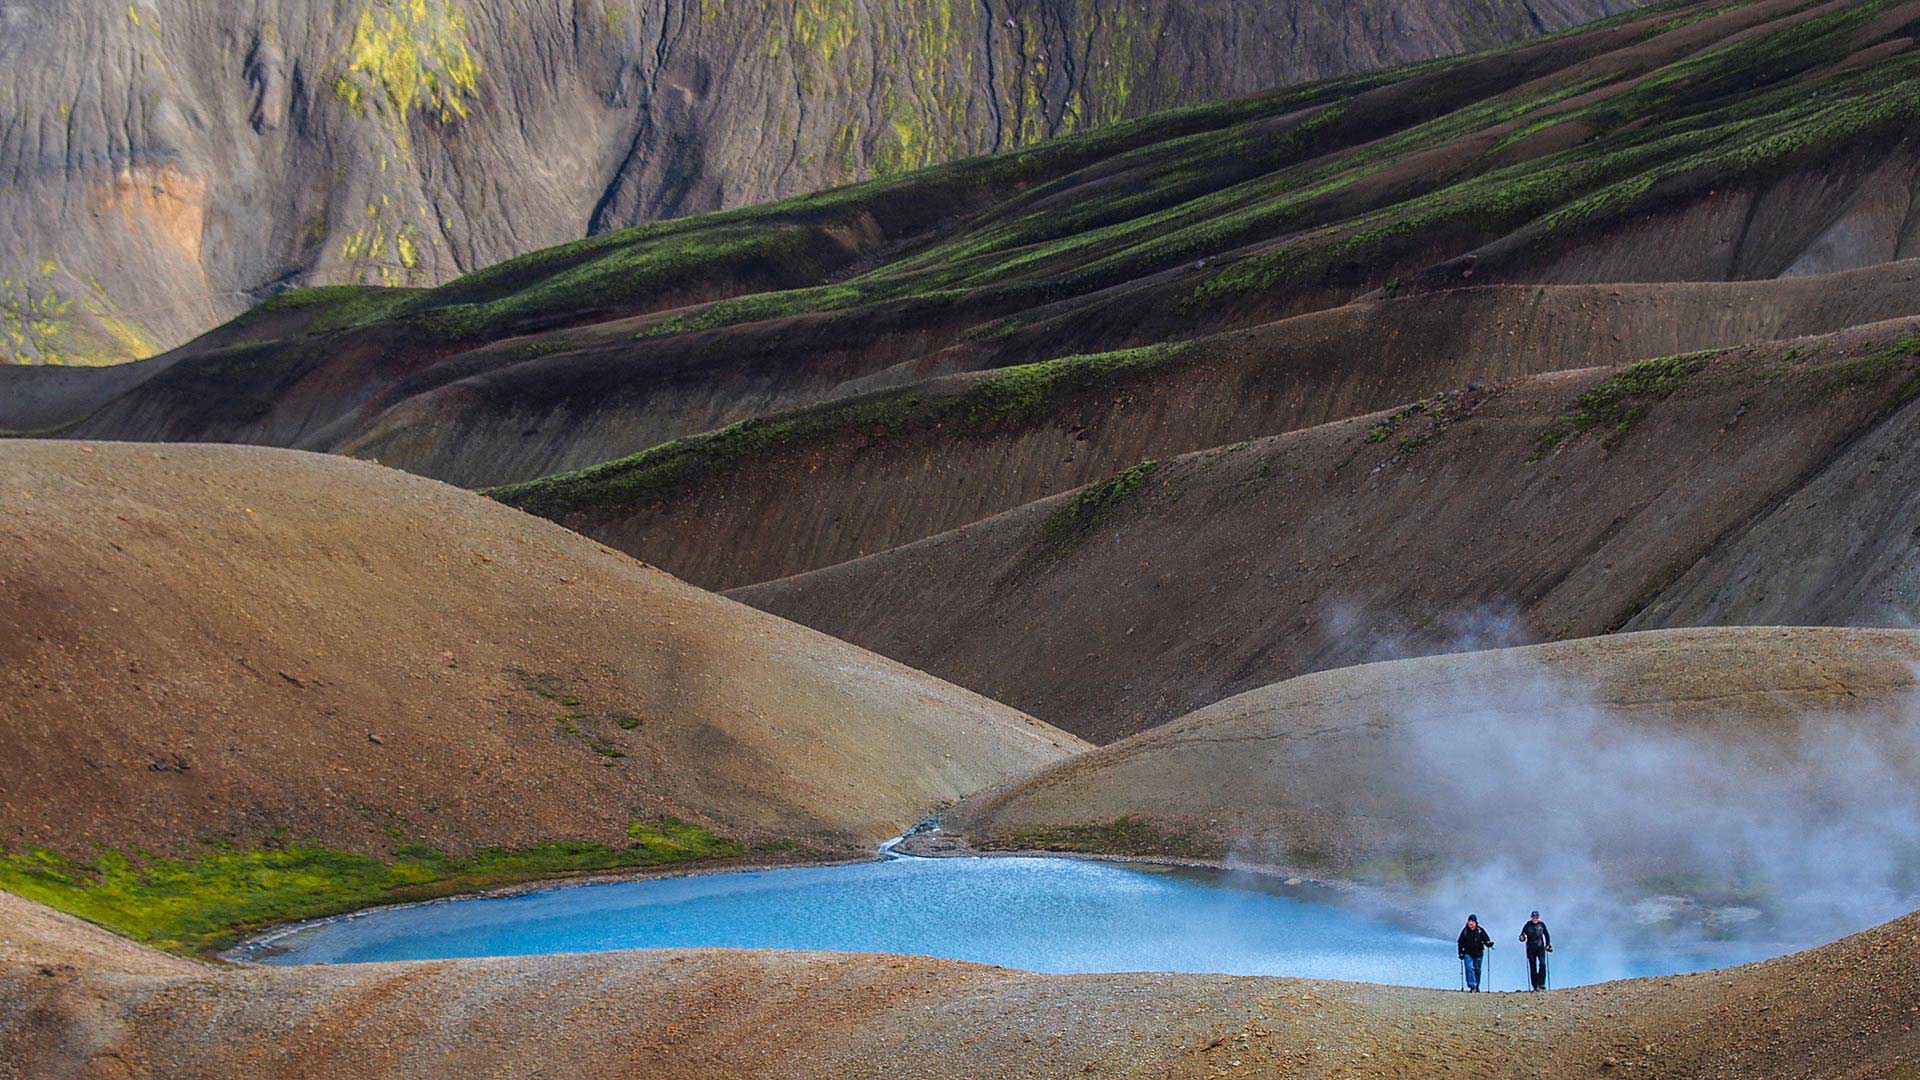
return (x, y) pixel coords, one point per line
(168, 163)
(919, 353)
(1752, 146)
(1754, 484)
(897, 465)
(223, 655)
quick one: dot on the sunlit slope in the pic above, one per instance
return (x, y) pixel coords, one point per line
(228, 655)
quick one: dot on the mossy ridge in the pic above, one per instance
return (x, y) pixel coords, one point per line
(332, 307)
(202, 904)
(1248, 191)
(1440, 410)
(1024, 394)
(948, 269)
(1877, 367)
(1697, 143)
(1230, 189)
(1084, 511)
(1615, 405)
(626, 265)
(1126, 835)
(1327, 154)
(1174, 227)
(719, 239)
(1196, 158)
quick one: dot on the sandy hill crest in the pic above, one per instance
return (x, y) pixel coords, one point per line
(247, 645)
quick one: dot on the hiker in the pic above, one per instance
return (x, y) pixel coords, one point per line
(1474, 942)
(1539, 943)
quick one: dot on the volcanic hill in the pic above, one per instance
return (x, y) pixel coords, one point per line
(1205, 218)
(1355, 773)
(170, 163)
(255, 664)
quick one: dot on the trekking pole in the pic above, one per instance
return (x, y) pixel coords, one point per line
(1463, 972)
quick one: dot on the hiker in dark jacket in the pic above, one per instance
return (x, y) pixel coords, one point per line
(1539, 943)
(1474, 942)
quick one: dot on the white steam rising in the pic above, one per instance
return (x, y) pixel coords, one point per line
(1625, 823)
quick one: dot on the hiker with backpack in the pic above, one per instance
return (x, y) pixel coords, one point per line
(1474, 942)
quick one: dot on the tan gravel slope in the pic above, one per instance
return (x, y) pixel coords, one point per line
(1346, 770)
(34, 934)
(217, 642)
(1841, 1011)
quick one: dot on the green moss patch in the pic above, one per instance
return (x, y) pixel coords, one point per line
(205, 903)
(1025, 394)
(1128, 835)
(1614, 406)
(1083, 512)
(333, 307)
(1894, 359)
(1439, 411)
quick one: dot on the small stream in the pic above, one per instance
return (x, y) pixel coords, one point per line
(1040, 914)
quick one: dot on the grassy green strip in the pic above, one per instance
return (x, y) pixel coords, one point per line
(1025, 394)
(1617, 404)
(1129, 835)
(204, 904)
(333, 307)
(1082, 513)
(1877, 367)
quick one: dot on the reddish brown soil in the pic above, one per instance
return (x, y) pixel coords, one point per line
(876, 486)
(1374, 537)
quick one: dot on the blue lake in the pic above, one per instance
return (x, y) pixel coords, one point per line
(1041, 914)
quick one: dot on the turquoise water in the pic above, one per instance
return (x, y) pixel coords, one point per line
(1041, 914)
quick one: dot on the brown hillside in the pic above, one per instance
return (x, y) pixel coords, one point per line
(1698, 142)
(1839, 1012)
(1570, 502)
(252, 645)
(887, 469)
(1341, 769)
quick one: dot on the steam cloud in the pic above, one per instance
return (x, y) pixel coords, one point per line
(1624, 827)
